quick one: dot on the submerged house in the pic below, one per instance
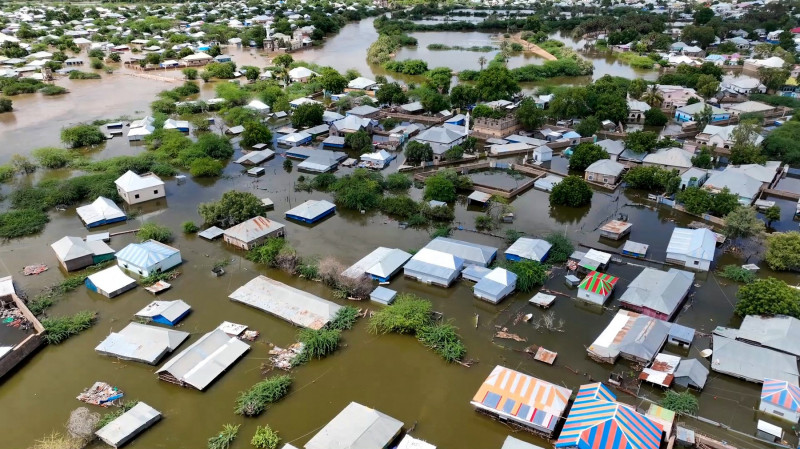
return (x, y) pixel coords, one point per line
(136, 189)
(780, 398)
(687, 113)
(311, 211)
(510, 395)
(253, 232)
(141, 343)
(633, 336)
(148, 257)
(73, 253)
(691, 374)
(165, 312)
(657, 293)
(604, 171)
(357, 426)
(528, 248)
(433, 267)
(288, 303)
(101, 212)
(692, 248)
(129, 425)
(596, 419)
(110, 282)
(780, 332)
(615, 229)
(205, 360)
(597, 287)
(381, 264)
(496, 285)
(751, 363)
(470, 253)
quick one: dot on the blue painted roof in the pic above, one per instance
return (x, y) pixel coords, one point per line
(146, 254)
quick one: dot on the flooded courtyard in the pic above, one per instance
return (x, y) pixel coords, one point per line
(393, 373)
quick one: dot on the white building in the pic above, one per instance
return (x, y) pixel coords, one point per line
(780, 398)
(692, 248)
(136, 189)
(148, 257)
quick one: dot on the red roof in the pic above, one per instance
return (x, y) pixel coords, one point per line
(600, 283)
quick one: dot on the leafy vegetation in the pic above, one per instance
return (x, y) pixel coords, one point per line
(111, 416)
(768, 297)
(22, 222)
(233, 208)
(59, 329)
(154, 231)
(530, 274)
(738, 274)
(319, 343)
(783, 251)
(265, 438)
(585, 155)
(345, 318)
(255, 401)
(444, 340)
(82, 136)
(225, 437)
(572, 191)
(684, 403)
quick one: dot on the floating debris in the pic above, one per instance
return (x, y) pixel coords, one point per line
(527, 317)
(13, 317)
(34, 269)
(101, 394)
(545, 355)
(158, 287)
(509, 336)
(249, 335)
(283, 358)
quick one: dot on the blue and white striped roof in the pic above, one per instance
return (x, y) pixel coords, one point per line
(146, 254)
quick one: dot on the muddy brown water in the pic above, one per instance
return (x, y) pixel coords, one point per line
(392, 373)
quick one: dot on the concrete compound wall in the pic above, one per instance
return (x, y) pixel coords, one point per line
(27, 346)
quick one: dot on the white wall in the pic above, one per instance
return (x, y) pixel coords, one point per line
(144, 194)
(591, 297)
(780, 412)
(172, 261)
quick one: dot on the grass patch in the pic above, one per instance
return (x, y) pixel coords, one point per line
(153, 231)
(320, 343)
(254, 401)
(53, 293)
(265, 438)
(22, 222)
(443, 339)
(53, 90)
(78, 75)
(111, 416)
(225, 437)
(738, 274)
(345, 318)
(58, 330)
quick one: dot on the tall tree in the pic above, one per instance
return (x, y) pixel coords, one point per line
(529, 115)
(496, 83)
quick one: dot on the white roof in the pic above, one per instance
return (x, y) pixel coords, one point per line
(7, 287)
(111, 279)
(206, 359)
(131, 182)
(131, 423)
(380, 156)
(528, 248)
(170, 310)
(606, 167)
(409, 442)
(141, 131)
(301, 72)
(258, 105)
(199, 56)
(101, 209)
(141, 343)
(358, 427)
(360, 83)
(311, 209)
(670, 157)
(695, 243)
(479, 196)
(69, 248)
(738, 182)
(438, 258)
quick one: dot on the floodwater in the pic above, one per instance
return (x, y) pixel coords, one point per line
(392, 373)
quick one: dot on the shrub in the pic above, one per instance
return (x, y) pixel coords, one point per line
(224, 438)
(345, 318)
(585, 155)
(408, 313)
(439, 188)
(6, 105)
(53, 90)
(361, 190)
(783, 251)
(190, 74)
(323, 182)
(254, 401)
(205, 167)
(682, 403)
(768, 297)
(78, 75)
(738, 274)
(268, 252)
(572, 191)
(233, 208)
(57, 330)
(21, 222)
(530, 274)
(444, 340)
(319, 343)
(397, 182)
(82, 136)
(442, 231)
(561, 250)
(265, 438)
(6, 173)
(51, 157)
(214, 146)
(400, 206)
(484, 222)
(189, 227)
(153, 231)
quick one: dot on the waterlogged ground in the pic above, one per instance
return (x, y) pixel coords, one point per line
(394, 374)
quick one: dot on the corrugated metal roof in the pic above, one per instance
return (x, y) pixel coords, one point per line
(658, 290)
(171, 310)
(513, 443)
(311, 209)
(600, 283)
(70, 248)
(101, 209)
(356, 426)
(206, 359)
(146, 254)
(129, 425)
(696, 243)
(295, 306)
(777, 332)
(111, 279)
(130, 181)
(781, 393)
(645, 338)
(496, 281)
(750, 362)
(253, 229)
(141, 343)
(469, 252)
(409, 442)
(528, 248)
(694, 370)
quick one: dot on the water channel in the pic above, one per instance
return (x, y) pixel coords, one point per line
(392, 373)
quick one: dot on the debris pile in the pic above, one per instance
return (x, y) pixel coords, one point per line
(101, 394)
(13, 317)
(81, 423)
(282, 358)
(249, 335)
(34, 269)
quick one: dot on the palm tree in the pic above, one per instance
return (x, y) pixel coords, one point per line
(652, 96)
(482, 61)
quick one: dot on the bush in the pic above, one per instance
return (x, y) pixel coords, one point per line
(783, 251)
(189, 73)
(323, 182)
(768, 297)
(561, 250)
(82, 136)
(443, 338)
(254, 401)
(214, 146)
(572, 191)
(233, 208)
(268, 252)
(361, 190)
(51, 157)
(57, 330)
(6, 105)
(408, 314)
(682, 403)
(53, 90)
(655, 117)
(400, 206)
(265, 438)
(205, 167)
(78, 75)
(585, 155)
(437, 213)
(6, 173)
(530, 274)
(224, 438)
(738, 274)
(345, 318)
(397, 182)
(22, 222)
(189, 227)
(440, 188)
(319, 343)
(153, 231)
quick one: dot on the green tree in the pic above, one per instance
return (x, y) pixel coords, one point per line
(783, 143)
(703, 35)
(205, 167)
(82, 136)
(530, 274)
(232, 94)
(417, 152)
(773, 213)
(51, 157)
(250, 73)
(332, 81)
(529, 115)
(703, 117)
(233, 208)
(569, 102)
(703, 15)
(496, 83)
(742, 222)
(637, 88)
(214, 146)
(723, 203)
(255, 133)
(463, 95)
(307, 114)
(773, 78)
(641, 141)
(6, 105)
(359, 141)
(391, 93)
(783, 251)
(744, 149)
(154, 231)
(432, 101)
(655, 117)
(768, 297)
(189, 73)
(572, 191)
(586, 154)
(653, 178)
(588, 126)
(707, 86)
(283, 60)
(360, 190)
(439, 79)
(611, 107)
(653, 97)
(702, 159)
(683, 403)
(439, 188)
(696, 200)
